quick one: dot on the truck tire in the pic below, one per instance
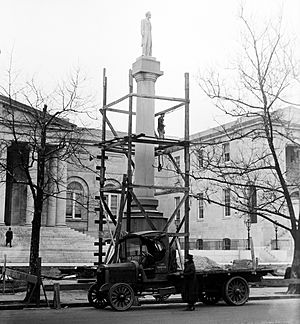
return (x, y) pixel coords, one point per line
(97, 298)
(121, 296)
(236, 291)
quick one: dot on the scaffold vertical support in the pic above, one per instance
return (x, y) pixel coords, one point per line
(129, 161)
(187, 165)
(102, 173)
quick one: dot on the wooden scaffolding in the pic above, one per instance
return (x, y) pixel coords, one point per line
(126, 145)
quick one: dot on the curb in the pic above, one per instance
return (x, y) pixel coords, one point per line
(15, 305)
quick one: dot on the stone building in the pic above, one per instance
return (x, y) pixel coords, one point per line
(73, 205)
(217, 227)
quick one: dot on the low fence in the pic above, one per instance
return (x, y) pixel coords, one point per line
(34, 280)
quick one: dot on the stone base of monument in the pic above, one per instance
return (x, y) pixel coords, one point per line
(138, 221)
(146, 64)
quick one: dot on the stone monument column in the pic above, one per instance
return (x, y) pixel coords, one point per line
(145, 70)
(3, 157)
(61, 199)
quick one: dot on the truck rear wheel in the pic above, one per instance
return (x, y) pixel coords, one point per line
(236, 291)
(97, 298)
(121, 296)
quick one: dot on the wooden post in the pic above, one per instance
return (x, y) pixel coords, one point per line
(102, 174)
(254, 261)
(56, 296)
(4, 273)
(120, 216)
(187, 165)
(129, 164)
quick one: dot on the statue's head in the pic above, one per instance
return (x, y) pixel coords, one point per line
(148, 14)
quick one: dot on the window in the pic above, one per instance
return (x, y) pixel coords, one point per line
(226, 243)
(294, 155)
(226, 152)
(199, 156)
(112, 203)
(200, 206)
(75, 196)
(177, 217)
(199, 244)
(252, 203)
(226, 202)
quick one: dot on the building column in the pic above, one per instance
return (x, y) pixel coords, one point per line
(51, 216)
(3, 158)
(30, 201)
(61, 199)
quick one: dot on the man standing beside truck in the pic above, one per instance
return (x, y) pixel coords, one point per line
(190, 283)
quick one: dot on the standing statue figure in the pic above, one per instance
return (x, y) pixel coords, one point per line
(146, 35)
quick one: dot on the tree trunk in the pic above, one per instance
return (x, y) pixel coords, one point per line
(295, 271)
(34, 266)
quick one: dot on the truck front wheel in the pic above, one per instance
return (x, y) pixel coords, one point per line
(97, 298)
(121, 296)
(236, 291)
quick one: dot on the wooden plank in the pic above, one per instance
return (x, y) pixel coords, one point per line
(168, 110)
(278, 282)
(21, 275)
(158, 97)
(115, 102)
(120, 111)
(175, 189)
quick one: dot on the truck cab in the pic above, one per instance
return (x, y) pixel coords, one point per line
(143, 262)
(150, 249)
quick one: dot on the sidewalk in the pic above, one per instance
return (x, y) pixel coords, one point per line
(75, 295)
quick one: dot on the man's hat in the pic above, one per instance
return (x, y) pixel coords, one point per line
(190, 256)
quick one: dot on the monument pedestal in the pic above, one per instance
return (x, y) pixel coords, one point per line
(138, 221)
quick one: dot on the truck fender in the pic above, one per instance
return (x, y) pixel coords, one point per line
(105, 287)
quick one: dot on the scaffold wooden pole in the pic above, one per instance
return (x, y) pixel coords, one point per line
(187, 164)
(129, 156)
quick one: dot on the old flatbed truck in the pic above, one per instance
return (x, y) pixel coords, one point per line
(146, 265)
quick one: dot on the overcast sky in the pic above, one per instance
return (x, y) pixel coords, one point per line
(49, 38)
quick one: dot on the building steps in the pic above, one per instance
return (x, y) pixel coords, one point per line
(57, 245)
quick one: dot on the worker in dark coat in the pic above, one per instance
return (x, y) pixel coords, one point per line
(9, 237)
(190, 283)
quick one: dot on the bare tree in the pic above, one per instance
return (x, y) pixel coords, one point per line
(257, 177)
(38, 136)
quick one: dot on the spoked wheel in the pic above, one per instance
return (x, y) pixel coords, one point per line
(209, 298)
(97, 298)
(121, 296)
(236, 291)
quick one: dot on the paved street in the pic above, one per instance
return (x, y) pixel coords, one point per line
(270, 311)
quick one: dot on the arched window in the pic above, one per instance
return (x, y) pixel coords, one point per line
(199, 244)
(226, 243)
(75, 200)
